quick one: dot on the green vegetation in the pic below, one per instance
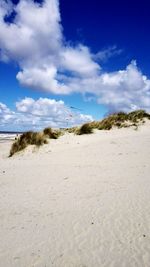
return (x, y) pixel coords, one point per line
(84, 129)
(33, 138)
(118, 120)
(71, 130)
(114, 120)
(138, 115)
(52, 134)
(121, 120)
(28, 138)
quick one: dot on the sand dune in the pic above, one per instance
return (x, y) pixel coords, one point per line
(80, 201)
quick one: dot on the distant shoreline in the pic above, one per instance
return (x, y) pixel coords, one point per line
(10, 132)
(8, 136)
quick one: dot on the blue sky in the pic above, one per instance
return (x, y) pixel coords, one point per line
(101, 24)
(56, 56)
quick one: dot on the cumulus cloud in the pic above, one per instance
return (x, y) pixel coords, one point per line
(34, 39)
(78, 60)
(6, 115)
(34, 33)
(123, 90)
(37, 114)
(43, 78)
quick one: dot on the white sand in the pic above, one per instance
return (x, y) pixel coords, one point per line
(81, 201)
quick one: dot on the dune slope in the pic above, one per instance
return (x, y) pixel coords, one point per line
(80, 201)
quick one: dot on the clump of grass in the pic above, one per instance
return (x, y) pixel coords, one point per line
(84, 129)
(105, 125)
(120, 120)
(94, 124)
(71, 130)
(28, 138)
(138, 115)
(116, 119)
(52, 134)
(59, 133)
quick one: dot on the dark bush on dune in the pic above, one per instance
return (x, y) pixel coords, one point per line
(105, 125)
(121, 119)
(52, 134)
(28, 138)
(138, 115)
(116, 119)
(85, 129)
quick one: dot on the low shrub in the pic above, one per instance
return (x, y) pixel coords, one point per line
(138, 115)
(119, 120)
(85, 129)
(52, 134)
(28, 138)
(105, 125)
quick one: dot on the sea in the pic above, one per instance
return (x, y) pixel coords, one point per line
(8, 136)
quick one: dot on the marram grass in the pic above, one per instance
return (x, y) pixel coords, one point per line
(33, 138)
(28, 138)
(119, 120)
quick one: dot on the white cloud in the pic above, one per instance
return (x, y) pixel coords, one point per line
(35, 41)
(37, 114)
(44, 78)
(34, 34)
(79, 60)
(47, 62)
(6, 115)
(123, 90)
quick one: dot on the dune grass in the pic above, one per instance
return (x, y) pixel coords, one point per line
(119, 120)
(84, 129)
(52, 134)
(28, 138)
(34, 138)
(114, 120)
(138, 115)
(71, 130)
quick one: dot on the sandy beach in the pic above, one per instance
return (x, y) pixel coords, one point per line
(80, 201)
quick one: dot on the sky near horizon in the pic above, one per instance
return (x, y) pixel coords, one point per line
(66, 62)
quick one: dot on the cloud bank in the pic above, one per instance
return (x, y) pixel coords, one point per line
(33, 114)
(34, 40)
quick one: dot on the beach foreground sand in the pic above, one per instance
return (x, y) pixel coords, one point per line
(80, 201)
